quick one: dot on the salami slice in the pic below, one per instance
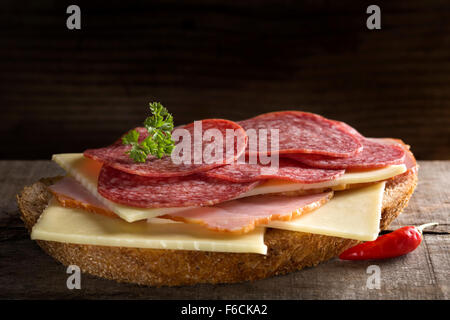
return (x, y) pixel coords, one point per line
(115, 156)
(302, 132)
(148, 192)
(349, 129)
(409, 161)
(287, 170)
(375, 154)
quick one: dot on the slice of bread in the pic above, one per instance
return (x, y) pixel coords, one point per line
(287, 251)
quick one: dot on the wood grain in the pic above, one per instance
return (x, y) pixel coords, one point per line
(27, 272)
(63, 91)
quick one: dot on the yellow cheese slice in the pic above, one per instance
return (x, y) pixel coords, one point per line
(86, 172)
(352, 214)
(70, 225)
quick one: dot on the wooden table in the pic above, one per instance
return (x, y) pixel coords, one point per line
(27, 272)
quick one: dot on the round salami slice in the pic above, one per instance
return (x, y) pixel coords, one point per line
(286, 170)
(375, 154)
(185, 191)
(300, 132)
(202, 147)
(409, 161)
(349, 129)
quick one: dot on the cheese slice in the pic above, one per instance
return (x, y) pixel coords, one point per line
(86, 172)
(70, 225)
(352, 214)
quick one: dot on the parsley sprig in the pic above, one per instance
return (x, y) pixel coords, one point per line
(159, 141)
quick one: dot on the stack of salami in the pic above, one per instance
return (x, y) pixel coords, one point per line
(311, 149)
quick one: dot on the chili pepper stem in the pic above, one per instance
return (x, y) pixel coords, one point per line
(426, 225)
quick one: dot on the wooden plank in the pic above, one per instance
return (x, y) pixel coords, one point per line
(431, 200)
(423, 274)
(27, 272)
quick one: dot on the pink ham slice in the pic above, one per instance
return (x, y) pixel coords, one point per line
(302, 132)
(287, 170)
(236, 216)
(71, 194)
(243, 215)
(114, 155)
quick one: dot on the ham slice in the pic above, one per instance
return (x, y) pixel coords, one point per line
(71, 194)
(243, 215)
(236, 216)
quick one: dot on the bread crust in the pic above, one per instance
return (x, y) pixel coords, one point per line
(288, 251)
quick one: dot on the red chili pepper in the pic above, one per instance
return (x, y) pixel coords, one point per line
(394, 244)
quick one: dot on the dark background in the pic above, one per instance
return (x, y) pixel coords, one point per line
(67, 90)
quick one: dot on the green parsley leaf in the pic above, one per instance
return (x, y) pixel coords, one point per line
(159, 141)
